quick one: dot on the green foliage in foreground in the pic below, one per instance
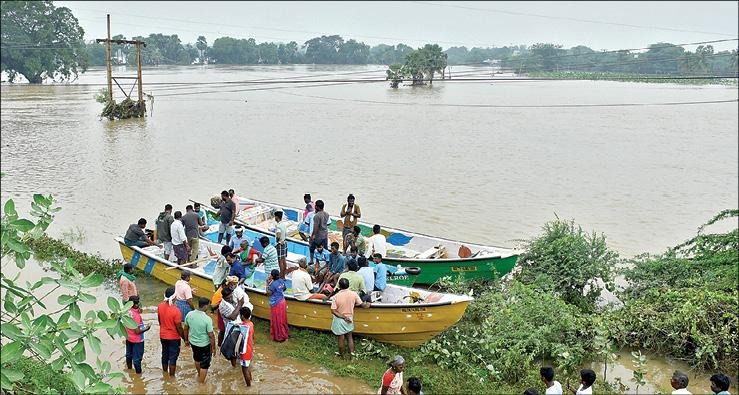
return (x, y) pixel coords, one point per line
(58, 339)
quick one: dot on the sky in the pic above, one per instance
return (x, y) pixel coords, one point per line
(598, 25)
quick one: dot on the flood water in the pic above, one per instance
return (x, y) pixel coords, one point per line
(645, 176)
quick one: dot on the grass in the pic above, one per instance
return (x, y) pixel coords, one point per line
(41, 380)
(46, 248)
(370, 363)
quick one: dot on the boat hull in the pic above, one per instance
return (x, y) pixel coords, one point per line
(406, 325)
(487, 267)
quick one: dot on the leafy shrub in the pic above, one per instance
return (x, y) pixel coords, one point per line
(567, 261)
(504, 335)
(698, 325)
(46, 248)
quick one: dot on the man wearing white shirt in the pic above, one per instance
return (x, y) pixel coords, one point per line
(302, 283)
(377, 244)
(547, 376)
(179, 239)
(680, 382)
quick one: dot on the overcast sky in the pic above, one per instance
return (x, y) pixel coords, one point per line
(599, 25)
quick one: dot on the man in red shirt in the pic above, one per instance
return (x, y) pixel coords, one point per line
(170, 331)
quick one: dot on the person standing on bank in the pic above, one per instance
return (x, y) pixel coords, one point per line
(126, 282)
(350, 212)
(135, 338)
(163, 223)
(276, 287)
(199, 335)
(227, 212)
(392, 380)
(281, 245)
(179, 239)
(342, 309)
(170, 331)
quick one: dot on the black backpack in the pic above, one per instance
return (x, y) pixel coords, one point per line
(231, 346)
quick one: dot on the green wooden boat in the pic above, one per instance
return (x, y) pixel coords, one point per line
(436, 257)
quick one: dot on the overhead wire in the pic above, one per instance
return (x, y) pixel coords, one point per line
(575, 19)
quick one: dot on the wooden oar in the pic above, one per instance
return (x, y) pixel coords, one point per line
(190, 263)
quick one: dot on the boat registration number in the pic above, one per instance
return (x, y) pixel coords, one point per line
(413, 309)
(399, 277)
(464, 268)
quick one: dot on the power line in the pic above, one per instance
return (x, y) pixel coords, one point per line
(574, 19)
(515, 105)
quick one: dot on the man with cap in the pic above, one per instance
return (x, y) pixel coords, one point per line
(238, 238)
(135, 337)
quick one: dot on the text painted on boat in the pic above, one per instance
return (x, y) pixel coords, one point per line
(464, 268)
(413, 309)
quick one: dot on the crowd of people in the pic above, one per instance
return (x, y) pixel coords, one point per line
(719, 383)
(343, 276)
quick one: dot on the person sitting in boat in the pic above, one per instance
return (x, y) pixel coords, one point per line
(356, 281)
(321, 257)
(377, 244)
(381, 272)
(368, 275)
(336, 264)
(238, 238)
(136, 237)
(356, 240)
(302, 282)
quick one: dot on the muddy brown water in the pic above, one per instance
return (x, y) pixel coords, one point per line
(645, 176)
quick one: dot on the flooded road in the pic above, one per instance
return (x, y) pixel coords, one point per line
(645, 176)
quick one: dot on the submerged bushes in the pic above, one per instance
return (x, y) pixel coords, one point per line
(46, 248)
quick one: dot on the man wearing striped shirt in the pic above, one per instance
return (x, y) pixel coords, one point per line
(269, 255)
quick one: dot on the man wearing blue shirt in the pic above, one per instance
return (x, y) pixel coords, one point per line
(336, 264)
(381, 271)
(237, 268)
(238, 238)
(321, 257)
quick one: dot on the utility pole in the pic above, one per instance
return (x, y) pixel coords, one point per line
(112, 79)
(107, 63)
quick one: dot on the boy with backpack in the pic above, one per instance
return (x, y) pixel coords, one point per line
(239, 343)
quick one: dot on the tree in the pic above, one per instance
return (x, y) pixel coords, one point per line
(353, 52)
(323, 49)
(202, 46)
(56, 339)
(545, 56)
(41, 41)
(288, 53)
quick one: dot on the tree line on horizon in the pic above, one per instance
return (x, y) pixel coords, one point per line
(40, 40)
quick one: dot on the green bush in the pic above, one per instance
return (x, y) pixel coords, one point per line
(42, 380)
(46, 248)
(697, 325)
(565, 260)
(505, 335)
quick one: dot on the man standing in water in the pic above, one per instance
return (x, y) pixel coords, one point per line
(227, 212)
(170, 331)
(281, 245)
(350, 213)
(163, 222)
(199, 335)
